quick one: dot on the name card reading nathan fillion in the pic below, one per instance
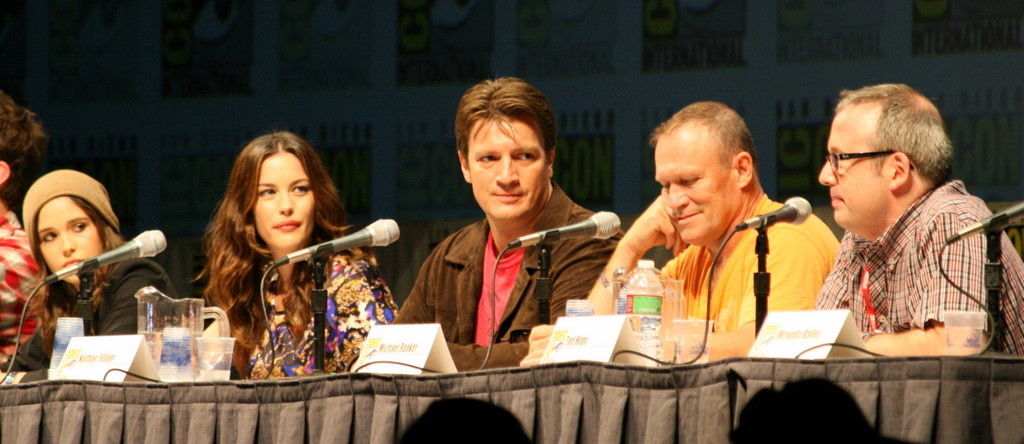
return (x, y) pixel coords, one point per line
(788, 334)
(419, 346)
(593, 338)
(91, 357)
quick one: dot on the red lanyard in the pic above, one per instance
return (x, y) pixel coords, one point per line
(865, 284)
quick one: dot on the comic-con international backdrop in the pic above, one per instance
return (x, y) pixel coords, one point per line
(155, 97)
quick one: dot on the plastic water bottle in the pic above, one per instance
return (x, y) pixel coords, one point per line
(579, 307)
(67, 328)
(619, 279)
(644, 293)
(176, 362)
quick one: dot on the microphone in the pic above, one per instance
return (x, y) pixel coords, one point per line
(378, 234)
(995, 222)
(147, 244)
(601, 225)
(795, 211)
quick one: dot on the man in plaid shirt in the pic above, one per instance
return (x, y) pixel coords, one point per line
(888, 169)
(22, 143)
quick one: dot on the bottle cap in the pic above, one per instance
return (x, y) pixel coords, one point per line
(645, 263)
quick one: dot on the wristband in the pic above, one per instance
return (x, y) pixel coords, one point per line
(9, 379)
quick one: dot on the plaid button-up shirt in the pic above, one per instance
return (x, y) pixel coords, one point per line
(17, 272)
(906, 287)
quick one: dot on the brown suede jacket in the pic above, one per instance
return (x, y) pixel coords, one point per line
(447, 289)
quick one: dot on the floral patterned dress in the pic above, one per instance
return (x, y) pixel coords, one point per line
(357, 299)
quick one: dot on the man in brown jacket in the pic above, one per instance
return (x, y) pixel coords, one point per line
(505, 134)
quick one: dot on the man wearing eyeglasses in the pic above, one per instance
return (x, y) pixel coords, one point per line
(888, 169)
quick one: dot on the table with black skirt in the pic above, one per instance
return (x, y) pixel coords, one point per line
(925, 399)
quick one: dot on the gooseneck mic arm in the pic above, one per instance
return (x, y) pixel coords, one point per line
(601, 225)
(147, 244)
(378, 234)
(795, 211)
(996, 222)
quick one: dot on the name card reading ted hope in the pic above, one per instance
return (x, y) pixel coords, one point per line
(91, 357)
(420, 346)
(593, 338)
(789, 334)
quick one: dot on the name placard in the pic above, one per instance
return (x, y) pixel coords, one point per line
(788, 334)
(418, 345)
(593, 338)
(91, 357)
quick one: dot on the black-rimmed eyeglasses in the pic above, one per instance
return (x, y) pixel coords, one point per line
(834, 158)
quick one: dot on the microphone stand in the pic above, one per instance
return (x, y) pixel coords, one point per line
(762, 279)
(993, 279)
(319, 305)
(543, 292)
(85, 283)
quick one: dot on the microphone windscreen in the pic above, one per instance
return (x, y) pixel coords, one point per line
(383, 232)
(803, 209)
(607, 224)
(151, 243)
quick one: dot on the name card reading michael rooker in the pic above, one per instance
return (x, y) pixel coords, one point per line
(418, 346)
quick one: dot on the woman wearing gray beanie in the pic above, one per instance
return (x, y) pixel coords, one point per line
(68, 219)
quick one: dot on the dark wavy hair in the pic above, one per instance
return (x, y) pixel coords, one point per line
(23, 141)
(237, 256)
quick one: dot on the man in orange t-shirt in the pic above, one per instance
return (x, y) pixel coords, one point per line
(706, 164)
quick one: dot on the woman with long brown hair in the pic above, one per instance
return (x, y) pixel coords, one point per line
(69, 219)
(280, 199)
